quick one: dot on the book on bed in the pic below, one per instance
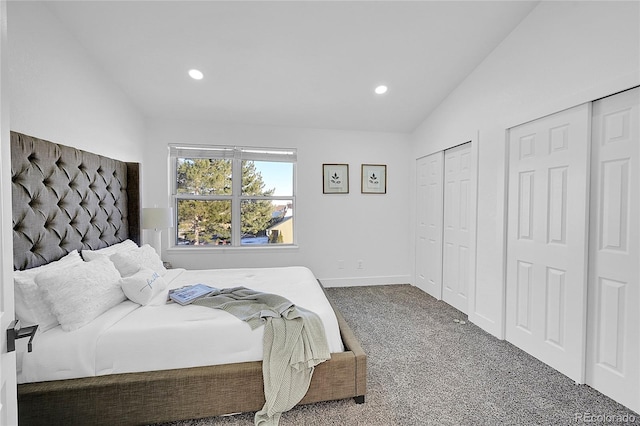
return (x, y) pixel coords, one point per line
(187, 294)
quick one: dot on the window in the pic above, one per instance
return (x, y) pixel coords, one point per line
(230, 196)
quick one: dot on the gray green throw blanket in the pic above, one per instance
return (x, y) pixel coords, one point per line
(294, 343)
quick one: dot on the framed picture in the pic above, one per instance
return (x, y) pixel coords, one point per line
(374, 179)
(335, 178)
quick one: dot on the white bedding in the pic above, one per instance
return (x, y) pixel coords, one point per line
(160, 336)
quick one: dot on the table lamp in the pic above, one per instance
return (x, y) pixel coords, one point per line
(157, 218)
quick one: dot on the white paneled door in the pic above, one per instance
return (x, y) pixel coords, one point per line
(429, 224)
(547, 239)
(457, 226)
(613, 355)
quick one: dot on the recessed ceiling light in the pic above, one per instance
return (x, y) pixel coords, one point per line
(381, 90)
(196, 74)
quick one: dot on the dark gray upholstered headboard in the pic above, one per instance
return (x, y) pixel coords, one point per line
(66, 199)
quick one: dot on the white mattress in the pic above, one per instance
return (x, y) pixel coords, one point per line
(132, 338)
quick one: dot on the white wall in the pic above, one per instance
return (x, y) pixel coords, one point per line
(351, 227)
(563, 54)
(59, 93)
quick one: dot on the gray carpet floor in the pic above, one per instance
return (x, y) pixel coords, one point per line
(427, 365)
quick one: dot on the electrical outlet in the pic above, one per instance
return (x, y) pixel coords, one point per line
(340, 264)
(360, 264)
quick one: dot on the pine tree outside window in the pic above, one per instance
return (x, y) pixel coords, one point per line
(230, 196)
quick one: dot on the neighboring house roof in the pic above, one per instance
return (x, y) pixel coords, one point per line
(276, 225)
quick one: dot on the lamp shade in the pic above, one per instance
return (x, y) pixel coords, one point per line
(157, 218)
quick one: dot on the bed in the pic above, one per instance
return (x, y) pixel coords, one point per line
(67, 200)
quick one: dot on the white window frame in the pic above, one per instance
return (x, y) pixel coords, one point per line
(236, 155)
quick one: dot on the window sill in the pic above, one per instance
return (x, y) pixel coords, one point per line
(230, 249)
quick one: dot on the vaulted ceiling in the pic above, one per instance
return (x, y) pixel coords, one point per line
(308, 64)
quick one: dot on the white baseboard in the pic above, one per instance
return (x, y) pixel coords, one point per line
(428, 292)
(363, 281)
(487, 324)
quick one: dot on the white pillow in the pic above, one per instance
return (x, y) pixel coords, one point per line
(131, 261)
(143, 286)
(30, 304)
(79, 294)
(126, 245)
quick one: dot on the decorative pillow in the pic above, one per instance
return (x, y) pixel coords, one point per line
(143, 286)
(79, 294)
(30, 304)
(126, 245)
(131, 261)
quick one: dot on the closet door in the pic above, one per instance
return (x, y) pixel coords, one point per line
(613, 357)
(457, 226)
(429, 224)
(547, 239)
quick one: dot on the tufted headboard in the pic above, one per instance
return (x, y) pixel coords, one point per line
(65, 199)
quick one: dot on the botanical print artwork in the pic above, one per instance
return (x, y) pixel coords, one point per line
(373, 180)
(335, 178)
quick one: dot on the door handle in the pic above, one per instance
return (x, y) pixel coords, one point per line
(14, 332)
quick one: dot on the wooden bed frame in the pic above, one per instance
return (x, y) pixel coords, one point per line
(131, 398)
